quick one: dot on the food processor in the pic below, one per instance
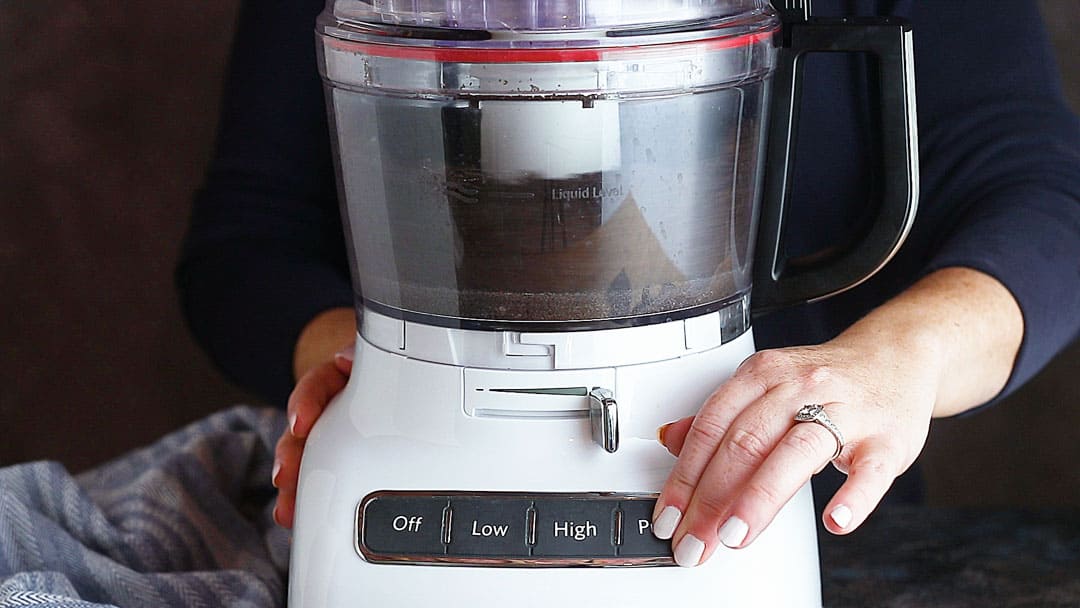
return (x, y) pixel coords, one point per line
(561, 216)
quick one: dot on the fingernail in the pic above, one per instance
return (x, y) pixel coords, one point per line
(274, 473)
(733, 532)
(660, 432)
(664, 525)
(277, 520)
(689, 551)
(841, 516)
(292, 424)
(346, 353)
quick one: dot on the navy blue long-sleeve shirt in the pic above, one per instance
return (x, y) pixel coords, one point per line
(1000, 185)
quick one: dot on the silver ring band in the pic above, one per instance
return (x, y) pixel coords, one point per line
(815, 412)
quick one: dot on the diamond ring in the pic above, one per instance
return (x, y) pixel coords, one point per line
(816, 413)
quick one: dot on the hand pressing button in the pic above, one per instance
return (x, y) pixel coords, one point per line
(638, 539)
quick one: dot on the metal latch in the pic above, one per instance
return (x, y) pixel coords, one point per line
(604, 419)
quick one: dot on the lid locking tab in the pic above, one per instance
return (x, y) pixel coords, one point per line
(604, 418)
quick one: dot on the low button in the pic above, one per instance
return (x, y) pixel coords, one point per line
(638, 539)
(570, 527)
(489, 527)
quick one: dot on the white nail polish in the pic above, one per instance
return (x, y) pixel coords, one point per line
(688, 553)
(292, 424)
(346, 353)
(273, 474)
(841, 516)
(664, 525)
(733, 532)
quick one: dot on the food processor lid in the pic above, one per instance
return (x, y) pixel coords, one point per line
(539, 15)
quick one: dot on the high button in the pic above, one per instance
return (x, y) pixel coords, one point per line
(568, 527)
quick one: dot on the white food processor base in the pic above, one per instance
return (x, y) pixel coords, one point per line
(404, 424)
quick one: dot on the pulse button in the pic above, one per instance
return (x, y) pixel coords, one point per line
(637, 538)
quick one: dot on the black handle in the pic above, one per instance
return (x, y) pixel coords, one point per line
(778, 283)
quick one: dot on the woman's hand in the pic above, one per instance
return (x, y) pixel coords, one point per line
(943, 346)
(312, 394)
(321, 377)
(742, 457)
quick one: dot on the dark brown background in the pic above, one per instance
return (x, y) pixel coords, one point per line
(107, 113)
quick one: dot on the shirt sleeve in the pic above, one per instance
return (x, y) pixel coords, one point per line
(264, 253)
(1000, 156)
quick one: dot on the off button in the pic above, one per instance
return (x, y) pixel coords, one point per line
(401, 525)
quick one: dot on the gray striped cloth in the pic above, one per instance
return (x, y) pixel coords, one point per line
(185, 522)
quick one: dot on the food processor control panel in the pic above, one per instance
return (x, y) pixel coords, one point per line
(509, 529)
